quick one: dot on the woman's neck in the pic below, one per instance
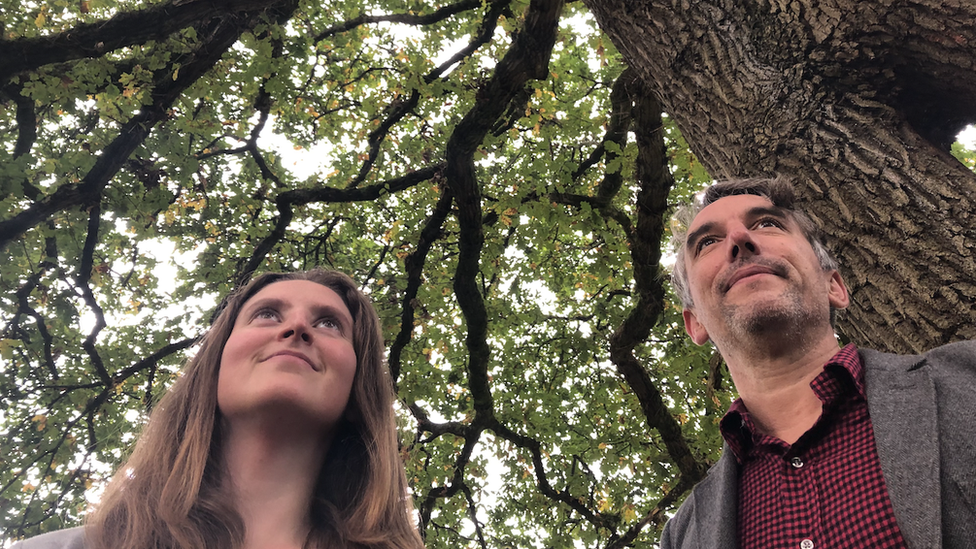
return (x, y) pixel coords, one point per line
(272, 477)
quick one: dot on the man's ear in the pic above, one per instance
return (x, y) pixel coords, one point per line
(695, 329)
(837, 291)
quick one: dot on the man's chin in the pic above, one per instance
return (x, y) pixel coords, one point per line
(768, 316)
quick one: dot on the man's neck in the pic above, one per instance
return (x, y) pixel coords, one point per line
(775, 387)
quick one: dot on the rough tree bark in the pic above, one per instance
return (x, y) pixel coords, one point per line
(858, 103)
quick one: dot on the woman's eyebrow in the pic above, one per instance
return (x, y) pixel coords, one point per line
(281, 305)
(332, 310)
(272, 302)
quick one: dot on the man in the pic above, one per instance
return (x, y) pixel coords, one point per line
(826, 447)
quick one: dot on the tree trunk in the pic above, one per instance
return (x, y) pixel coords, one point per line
(858, 103)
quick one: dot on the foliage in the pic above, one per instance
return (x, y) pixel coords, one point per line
(965, 153)
(494, 192)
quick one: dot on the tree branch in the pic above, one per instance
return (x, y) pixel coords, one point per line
(288, 199)
(655, 515)
(93, 40)
(473, 513)
(400, 108)
(82, 280)
(542, 481)
(405, 18)
(414, 266)
(153, 359)
(527, 59)
(645, 245)
(23, 307)
(132, 134)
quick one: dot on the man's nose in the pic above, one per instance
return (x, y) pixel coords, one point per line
(742, 244)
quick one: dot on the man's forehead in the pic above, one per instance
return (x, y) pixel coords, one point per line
(733, 206)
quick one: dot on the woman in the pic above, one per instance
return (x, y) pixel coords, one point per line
(280, 433)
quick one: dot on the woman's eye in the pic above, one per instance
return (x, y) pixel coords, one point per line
(328, 323)
(266, 314)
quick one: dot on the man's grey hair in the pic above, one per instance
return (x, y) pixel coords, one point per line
(777, 190)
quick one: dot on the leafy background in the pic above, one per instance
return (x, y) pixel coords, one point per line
(490, 172)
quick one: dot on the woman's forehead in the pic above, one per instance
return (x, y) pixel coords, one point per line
(299, 292)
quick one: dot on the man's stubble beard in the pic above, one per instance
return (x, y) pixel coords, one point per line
(786, 318)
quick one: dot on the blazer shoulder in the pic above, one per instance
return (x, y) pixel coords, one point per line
(71, 538)
(953, 358)
(961, 354)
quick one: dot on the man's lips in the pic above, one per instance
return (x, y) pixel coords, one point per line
(747, 271)
(295, 354)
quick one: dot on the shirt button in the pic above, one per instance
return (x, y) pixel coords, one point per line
(797, 463)
(807, 543)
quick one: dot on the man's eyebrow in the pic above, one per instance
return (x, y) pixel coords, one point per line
(760, 211)
(693, 236)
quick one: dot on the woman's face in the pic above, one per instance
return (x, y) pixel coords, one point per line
(289, 355)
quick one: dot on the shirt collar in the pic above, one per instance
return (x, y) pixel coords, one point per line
(850, 360)
(845, 368)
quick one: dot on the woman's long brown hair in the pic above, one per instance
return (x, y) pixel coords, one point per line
(168, 493)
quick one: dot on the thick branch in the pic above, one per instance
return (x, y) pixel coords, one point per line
(527, 59)
(424, 424)
(406, 18)
(617, 126)
(83, 281)
(124, 29)
(26, 121)
(645, 244)
(655, 179)
(414, 267)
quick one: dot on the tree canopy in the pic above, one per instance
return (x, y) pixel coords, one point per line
(492, 173)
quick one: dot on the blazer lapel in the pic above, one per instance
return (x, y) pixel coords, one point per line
(716, 502)
(901, 400)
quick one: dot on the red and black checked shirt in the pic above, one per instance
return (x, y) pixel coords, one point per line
(824, 491)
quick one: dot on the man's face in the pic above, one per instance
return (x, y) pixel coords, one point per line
(752, 271)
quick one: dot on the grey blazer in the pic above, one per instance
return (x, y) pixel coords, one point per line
(923, 410)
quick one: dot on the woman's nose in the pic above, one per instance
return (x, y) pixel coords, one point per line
(297, 327)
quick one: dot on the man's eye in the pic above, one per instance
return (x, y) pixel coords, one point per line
(769, 222)
(703, 242)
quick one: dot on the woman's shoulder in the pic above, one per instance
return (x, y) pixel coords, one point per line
(72, 538)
